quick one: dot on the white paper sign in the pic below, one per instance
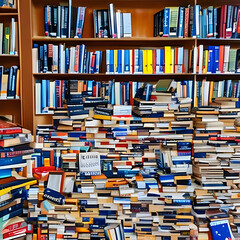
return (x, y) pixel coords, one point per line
(89, 163)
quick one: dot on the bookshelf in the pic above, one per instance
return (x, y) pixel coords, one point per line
(13, 107)
(142, 36)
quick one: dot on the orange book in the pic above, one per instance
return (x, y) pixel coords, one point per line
(211, 92)
(176, 61)
(221, 58)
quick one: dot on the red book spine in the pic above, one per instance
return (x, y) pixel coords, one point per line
(93, 62)
(52, 158)
(238, 22)
(76, 65)
(15, 232)
(224, 21)
(13, 227)
(186, 22)
(133, 62)
(221, 58)
(221, 22)
(176, 61)
(60, 93)
(154, 61)
(94, 91)
(131, 93)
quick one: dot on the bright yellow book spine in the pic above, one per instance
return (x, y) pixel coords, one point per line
(150, 61)
(115, 60)
(206, 62)
(168, 59)
(211, 92)
(145, 60)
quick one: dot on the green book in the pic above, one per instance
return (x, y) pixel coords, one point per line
(6, 40)
(232, 60)
(173, 21)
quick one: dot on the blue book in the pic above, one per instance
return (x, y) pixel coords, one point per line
(221, 230)
(59, 60)
(148, 91)
(161, 60)
(204, 23)
(45, 20)
(12, 161)
(215, 22)
(126, 61)
(216, 60)
(45, 58)
(197, 20)
(211, 51)
(181, 22)
(66, 60)
(119, 65)
(166, 22)
(111, 61)
(44, 95)
(113, 93)
(194, 23)
(140, 61)
(210, 22)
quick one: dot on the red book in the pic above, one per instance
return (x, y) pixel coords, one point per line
(221, 58)
(5, 124)
(20, 232)
(176, 61)
(131, 93)
(224, 21)
(186, 22)
(52, 157)
(93, 61)
(238, 22)
(133, 62)
(13, 224)
(13, 130)
(154, 61)
(76, 65)
(94, 90)
(221, 21)
(84, 86)
(60, 93)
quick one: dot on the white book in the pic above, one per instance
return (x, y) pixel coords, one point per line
(195, 55)
(112, 20)
(117, 93)
(200, 59)
(69, 17)
(52, 94)
(118, 20)
(1, 38)
(226, 58)
(107, 61)
(35, 60)
(72, 59)
(55, 59)
(38, 98)
(127, 25)
(12, 39)
(206, 93)
(63, 52)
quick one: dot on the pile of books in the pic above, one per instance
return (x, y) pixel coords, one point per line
(216, 162)
(9, 38)
(50, 58)
(15, 165)
(119, 164)
(9, 82)
(197, 22)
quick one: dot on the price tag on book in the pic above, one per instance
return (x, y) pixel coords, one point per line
(89, 163)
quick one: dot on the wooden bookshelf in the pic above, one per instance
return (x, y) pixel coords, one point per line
(142, 11)
(12, 106)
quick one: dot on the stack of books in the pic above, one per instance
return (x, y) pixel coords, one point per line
(9, 38)
(15, 165)
(216, 162)
(50, 58)
(197, 22)
(121, 164)
(9, 82)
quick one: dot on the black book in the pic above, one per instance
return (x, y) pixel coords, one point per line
(40, 59)
(156, 24)
(160, 23)
(74, 21)
(54, 19)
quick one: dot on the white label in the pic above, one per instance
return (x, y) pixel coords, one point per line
(89, 163)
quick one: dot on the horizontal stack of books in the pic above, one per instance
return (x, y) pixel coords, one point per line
(9, 83)
(50, 58)
(197, 22)
(15, 165)
(9, 38)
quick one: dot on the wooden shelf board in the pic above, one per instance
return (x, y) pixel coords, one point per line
(9, 99)
(8, 14)
(8, 55)
(106, 77)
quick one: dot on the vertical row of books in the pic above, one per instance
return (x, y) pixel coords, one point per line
(9, 38)
(15, 162)
(198, 22)
(68, 22)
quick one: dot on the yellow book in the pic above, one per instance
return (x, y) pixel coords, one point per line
(115, 60)
(168, 59)
(195, 94)
(149, 61)
(145, 61)
(179, 89)
(211, 92)
(102, 117)
(172, 59)
(206, 62)
(131, 62)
